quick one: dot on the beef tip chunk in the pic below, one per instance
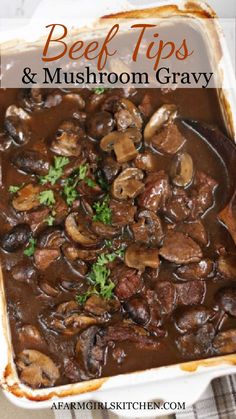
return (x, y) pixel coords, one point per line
(196, 231)
(191, 293)
(166, 296)
(197, 343)
(37, 219)
(226, 298)
(100, 124)
(190, 318)
(90, 353)
(197, 270)
(202, 194)
(125, 331)
(32, 162)
(227, 266)
(128, 282)
(180, 249)
(169, 140)
(146, 107)
(138, 309)
(148, 229)
(157, 191)
(228, 217)
(177, 207)
(123, 212)
(44, 257)
(225, 342)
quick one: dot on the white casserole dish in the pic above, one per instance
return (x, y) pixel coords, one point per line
(178, 383)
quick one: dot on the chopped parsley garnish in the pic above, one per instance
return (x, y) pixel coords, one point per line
(55, 172)
(69, 191)
(50, 220)
(47, 198)
(99, 90)
(103, 212)
(14, 188)
(83, 169)
(30, 249)
(90, 182)
(99, 277)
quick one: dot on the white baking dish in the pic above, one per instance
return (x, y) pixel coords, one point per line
(178, 383)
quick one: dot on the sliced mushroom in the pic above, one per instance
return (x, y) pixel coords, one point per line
(69, 323)
(228, 217)
(128, 115)
(17, 124)
(191, 318)
(108, 142)
(225, 342)
(89, 354)
(32, 162)
(16, 238)
(138, 310)
(36, 369)
(181, 170)
(48, 289)
(226, 298)
(104, 230)
(148, 229)
(76, 98)
(147, 161)
(73, 253)
(165, 114)
(128, 184)
(77, 229)
(123, 144)
(51, 237)
(100, 124)
(227, 266)
(139, 257)
(27, 198)
(68, 139)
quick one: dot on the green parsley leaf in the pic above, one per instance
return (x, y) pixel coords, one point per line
(83, 169)
(47, 198)
(69, 191)
(103, 212)
(82, 298)
(50, 220)
(55, 172)
(99, 276)
(108, 243)
(14, 188)
(30, 249)
(99, 90)
(90, 182)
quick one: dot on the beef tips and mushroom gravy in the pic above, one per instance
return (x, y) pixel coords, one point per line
(117, 236)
